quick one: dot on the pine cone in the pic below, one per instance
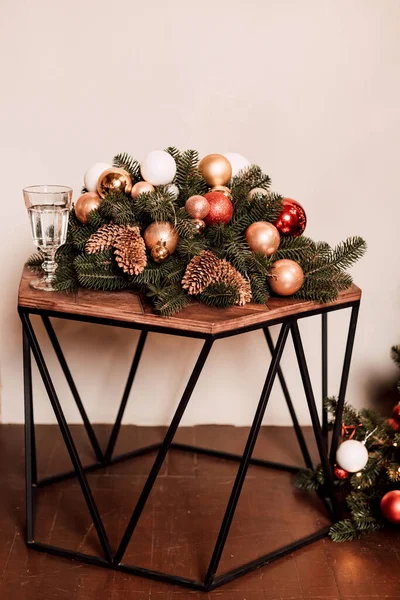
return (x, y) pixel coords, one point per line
(130, 250)
(206, 268)
(200, 272)
(103, 239)
(226, 273)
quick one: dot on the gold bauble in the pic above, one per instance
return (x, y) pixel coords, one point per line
(216, 169)
(256, 191)
(161, 232)
(199, 225)
(141, 187)
(160, 252)
(197, 207)
(114, 180)
(287, 277)
(263, 237)
(86, 203)
(223, 189)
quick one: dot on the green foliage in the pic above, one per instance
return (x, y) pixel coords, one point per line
(324, 267)
(34, 262)
(363, 490)
(125, 161)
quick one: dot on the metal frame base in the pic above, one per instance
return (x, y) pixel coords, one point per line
(114, 559)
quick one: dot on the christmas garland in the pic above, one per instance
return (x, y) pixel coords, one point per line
(178, 229)
(367, 472)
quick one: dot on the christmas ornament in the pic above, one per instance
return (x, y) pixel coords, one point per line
(256, 191)
(103, 239)
(206, 268)
(160, 252)
(172, 189)
(221, 209)
(141, 187)
(161, 232)
(292, 221)
(92, 175)
(197, 207)
(262, 237)
(238, 162)
(216, 169)
(390, 506)
(223, 189)
(86, 203)
(287, 277)
(352, 456)
(394, 424)
(396, 412)
(340, 473)
(130, 251)
(114, 180)
(158, 168)
(199, 225)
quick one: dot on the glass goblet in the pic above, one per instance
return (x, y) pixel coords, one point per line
(48, 209)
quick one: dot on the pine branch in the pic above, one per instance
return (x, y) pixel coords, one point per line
(309, 479)
(174, 152)
(220, 295)
(170, 300)
(35, 261)
(125, 161)
(344, 531)
(118, 208)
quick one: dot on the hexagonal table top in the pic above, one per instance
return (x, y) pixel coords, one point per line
(131, 307)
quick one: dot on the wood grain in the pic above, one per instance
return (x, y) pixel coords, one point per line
(131, 307)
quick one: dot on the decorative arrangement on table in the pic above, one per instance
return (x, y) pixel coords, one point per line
(178, 229)
(367, 470)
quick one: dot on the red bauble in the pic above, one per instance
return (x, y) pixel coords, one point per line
(393, 424)
(340, 473)
(390, 506)
(292, 221)
(396, 413)
(221, 209)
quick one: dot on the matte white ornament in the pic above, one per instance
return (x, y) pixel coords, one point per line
(92, 175)
(158, 168)
(352, 456)
(238, 162)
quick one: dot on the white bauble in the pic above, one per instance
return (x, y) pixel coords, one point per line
(238, 162)
(158, 168)
(352, 456)
(92, 175)
(256, 191)
(172, 189)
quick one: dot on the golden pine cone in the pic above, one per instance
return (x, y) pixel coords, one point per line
(227, 273)
(103, 239)
(200, 272)
(130, 250)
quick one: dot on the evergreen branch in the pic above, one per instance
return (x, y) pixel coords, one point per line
(35, 261)
(344, 531)
(170, 300)
(220, 295)
(125, 161)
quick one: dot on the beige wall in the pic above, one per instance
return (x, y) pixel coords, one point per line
(308, 89)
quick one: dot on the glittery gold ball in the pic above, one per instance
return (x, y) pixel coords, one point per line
(216, 169)
(287, 277)
(114, 180)
(159, 252)
(86, 203)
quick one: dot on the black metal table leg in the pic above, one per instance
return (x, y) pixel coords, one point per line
(296, 425)
(163, 450)
(248, 451)
(324, 353)
(30, 447)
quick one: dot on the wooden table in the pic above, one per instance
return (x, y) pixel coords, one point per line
(130, 310)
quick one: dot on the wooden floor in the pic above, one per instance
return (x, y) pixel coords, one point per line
(179, 525)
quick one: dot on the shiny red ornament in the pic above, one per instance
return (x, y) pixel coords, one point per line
(390, 506)
(396, 413)
(292, 221)
(340, 473)
(394, 424)
(221, 209)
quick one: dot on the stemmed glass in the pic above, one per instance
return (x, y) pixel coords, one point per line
(48, 208)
